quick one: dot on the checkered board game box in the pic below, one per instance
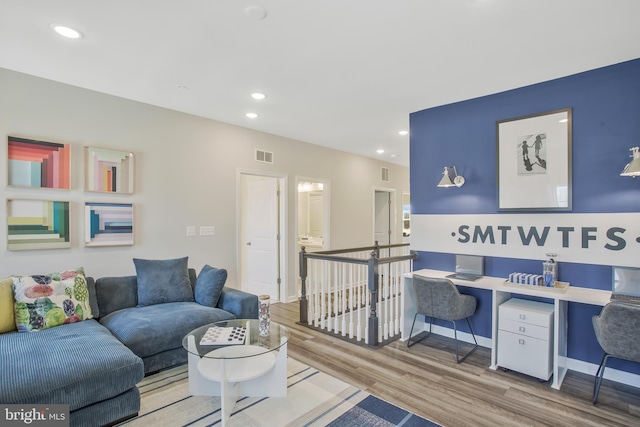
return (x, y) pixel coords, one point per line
(217, 335)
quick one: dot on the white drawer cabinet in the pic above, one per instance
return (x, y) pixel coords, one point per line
(525, 337)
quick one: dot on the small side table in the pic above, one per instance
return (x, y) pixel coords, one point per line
(256, 368)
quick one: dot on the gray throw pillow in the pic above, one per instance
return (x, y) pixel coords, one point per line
(209, 285)
(162, 281)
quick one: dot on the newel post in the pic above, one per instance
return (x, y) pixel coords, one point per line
(303, 279)
(372, 283)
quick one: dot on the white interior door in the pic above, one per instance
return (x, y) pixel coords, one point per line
(259, 228)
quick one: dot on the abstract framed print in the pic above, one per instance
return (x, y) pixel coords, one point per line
(38, 164)
(108, 171)
(108, 224)
(37, 224)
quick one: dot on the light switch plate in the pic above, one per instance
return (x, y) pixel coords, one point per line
(207, 230)
(191, 230)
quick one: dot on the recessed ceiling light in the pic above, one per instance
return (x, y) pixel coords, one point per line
(251, 115)
(65, 31)
(380, 151)
(258, 95)
(403, 132)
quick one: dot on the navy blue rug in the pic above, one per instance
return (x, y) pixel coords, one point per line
(376, 412)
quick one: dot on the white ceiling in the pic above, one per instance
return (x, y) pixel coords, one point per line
(344, 74)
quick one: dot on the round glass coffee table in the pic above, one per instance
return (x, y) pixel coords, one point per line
(253, 366)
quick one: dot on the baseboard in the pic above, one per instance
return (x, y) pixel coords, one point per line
(581, 366)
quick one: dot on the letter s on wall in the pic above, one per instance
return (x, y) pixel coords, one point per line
(611, 234)
(462, 230)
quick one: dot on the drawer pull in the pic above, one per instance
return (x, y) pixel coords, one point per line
(521, 341)
(523, 317)
(521, 328)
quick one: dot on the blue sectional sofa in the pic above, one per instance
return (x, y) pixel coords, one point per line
(94, 365)
(154, 332)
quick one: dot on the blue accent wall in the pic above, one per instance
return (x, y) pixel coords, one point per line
(606, 123)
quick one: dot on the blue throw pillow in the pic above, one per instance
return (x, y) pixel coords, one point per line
(209, 285)
(161, 281)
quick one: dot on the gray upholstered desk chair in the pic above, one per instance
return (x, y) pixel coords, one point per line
(440, 299)
(618, 332)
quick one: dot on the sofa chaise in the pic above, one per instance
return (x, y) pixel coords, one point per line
(89, 342)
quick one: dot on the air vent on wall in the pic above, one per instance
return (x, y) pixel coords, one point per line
(264, 156)
(385, 174)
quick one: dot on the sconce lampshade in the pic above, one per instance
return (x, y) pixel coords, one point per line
(632, 168)
(448, 181)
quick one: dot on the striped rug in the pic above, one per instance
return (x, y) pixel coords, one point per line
(313, 399)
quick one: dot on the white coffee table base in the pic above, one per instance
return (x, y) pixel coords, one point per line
(250, 373)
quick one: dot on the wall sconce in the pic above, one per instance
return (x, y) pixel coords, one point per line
(449, 179)
(633, 167)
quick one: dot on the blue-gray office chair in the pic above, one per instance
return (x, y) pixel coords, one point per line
(440, 299)
(616, 329)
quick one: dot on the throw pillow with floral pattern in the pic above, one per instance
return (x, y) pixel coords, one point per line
(48, 300)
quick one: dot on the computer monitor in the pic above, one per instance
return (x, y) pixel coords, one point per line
(626, 281)
(470, 264)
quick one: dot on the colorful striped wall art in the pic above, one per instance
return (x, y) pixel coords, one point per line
(108, 224)
(37, 224)
(108, 171)
(38, 163)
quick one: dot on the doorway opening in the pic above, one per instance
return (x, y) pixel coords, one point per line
(261, 234)
(406, 217)
(312, 217)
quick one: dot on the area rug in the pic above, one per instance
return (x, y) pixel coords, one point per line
(313, 399)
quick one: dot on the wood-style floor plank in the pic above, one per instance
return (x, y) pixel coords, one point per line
(426, 380)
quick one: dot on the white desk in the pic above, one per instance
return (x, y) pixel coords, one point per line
(501, 293)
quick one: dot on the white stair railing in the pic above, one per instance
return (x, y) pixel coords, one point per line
(354, 293)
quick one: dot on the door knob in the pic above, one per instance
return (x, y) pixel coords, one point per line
(248, 243)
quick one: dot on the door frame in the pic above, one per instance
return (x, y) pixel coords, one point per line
(393, 214)
(326, 220)
(282, 226)
(326, 209)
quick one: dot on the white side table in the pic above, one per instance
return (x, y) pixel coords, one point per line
(257, 368)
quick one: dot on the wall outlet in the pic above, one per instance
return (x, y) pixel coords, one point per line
(191, 230)
(207, 230)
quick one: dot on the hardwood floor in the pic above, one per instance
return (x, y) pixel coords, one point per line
(426, 380)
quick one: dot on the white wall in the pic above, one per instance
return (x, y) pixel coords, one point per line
(186, 170)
